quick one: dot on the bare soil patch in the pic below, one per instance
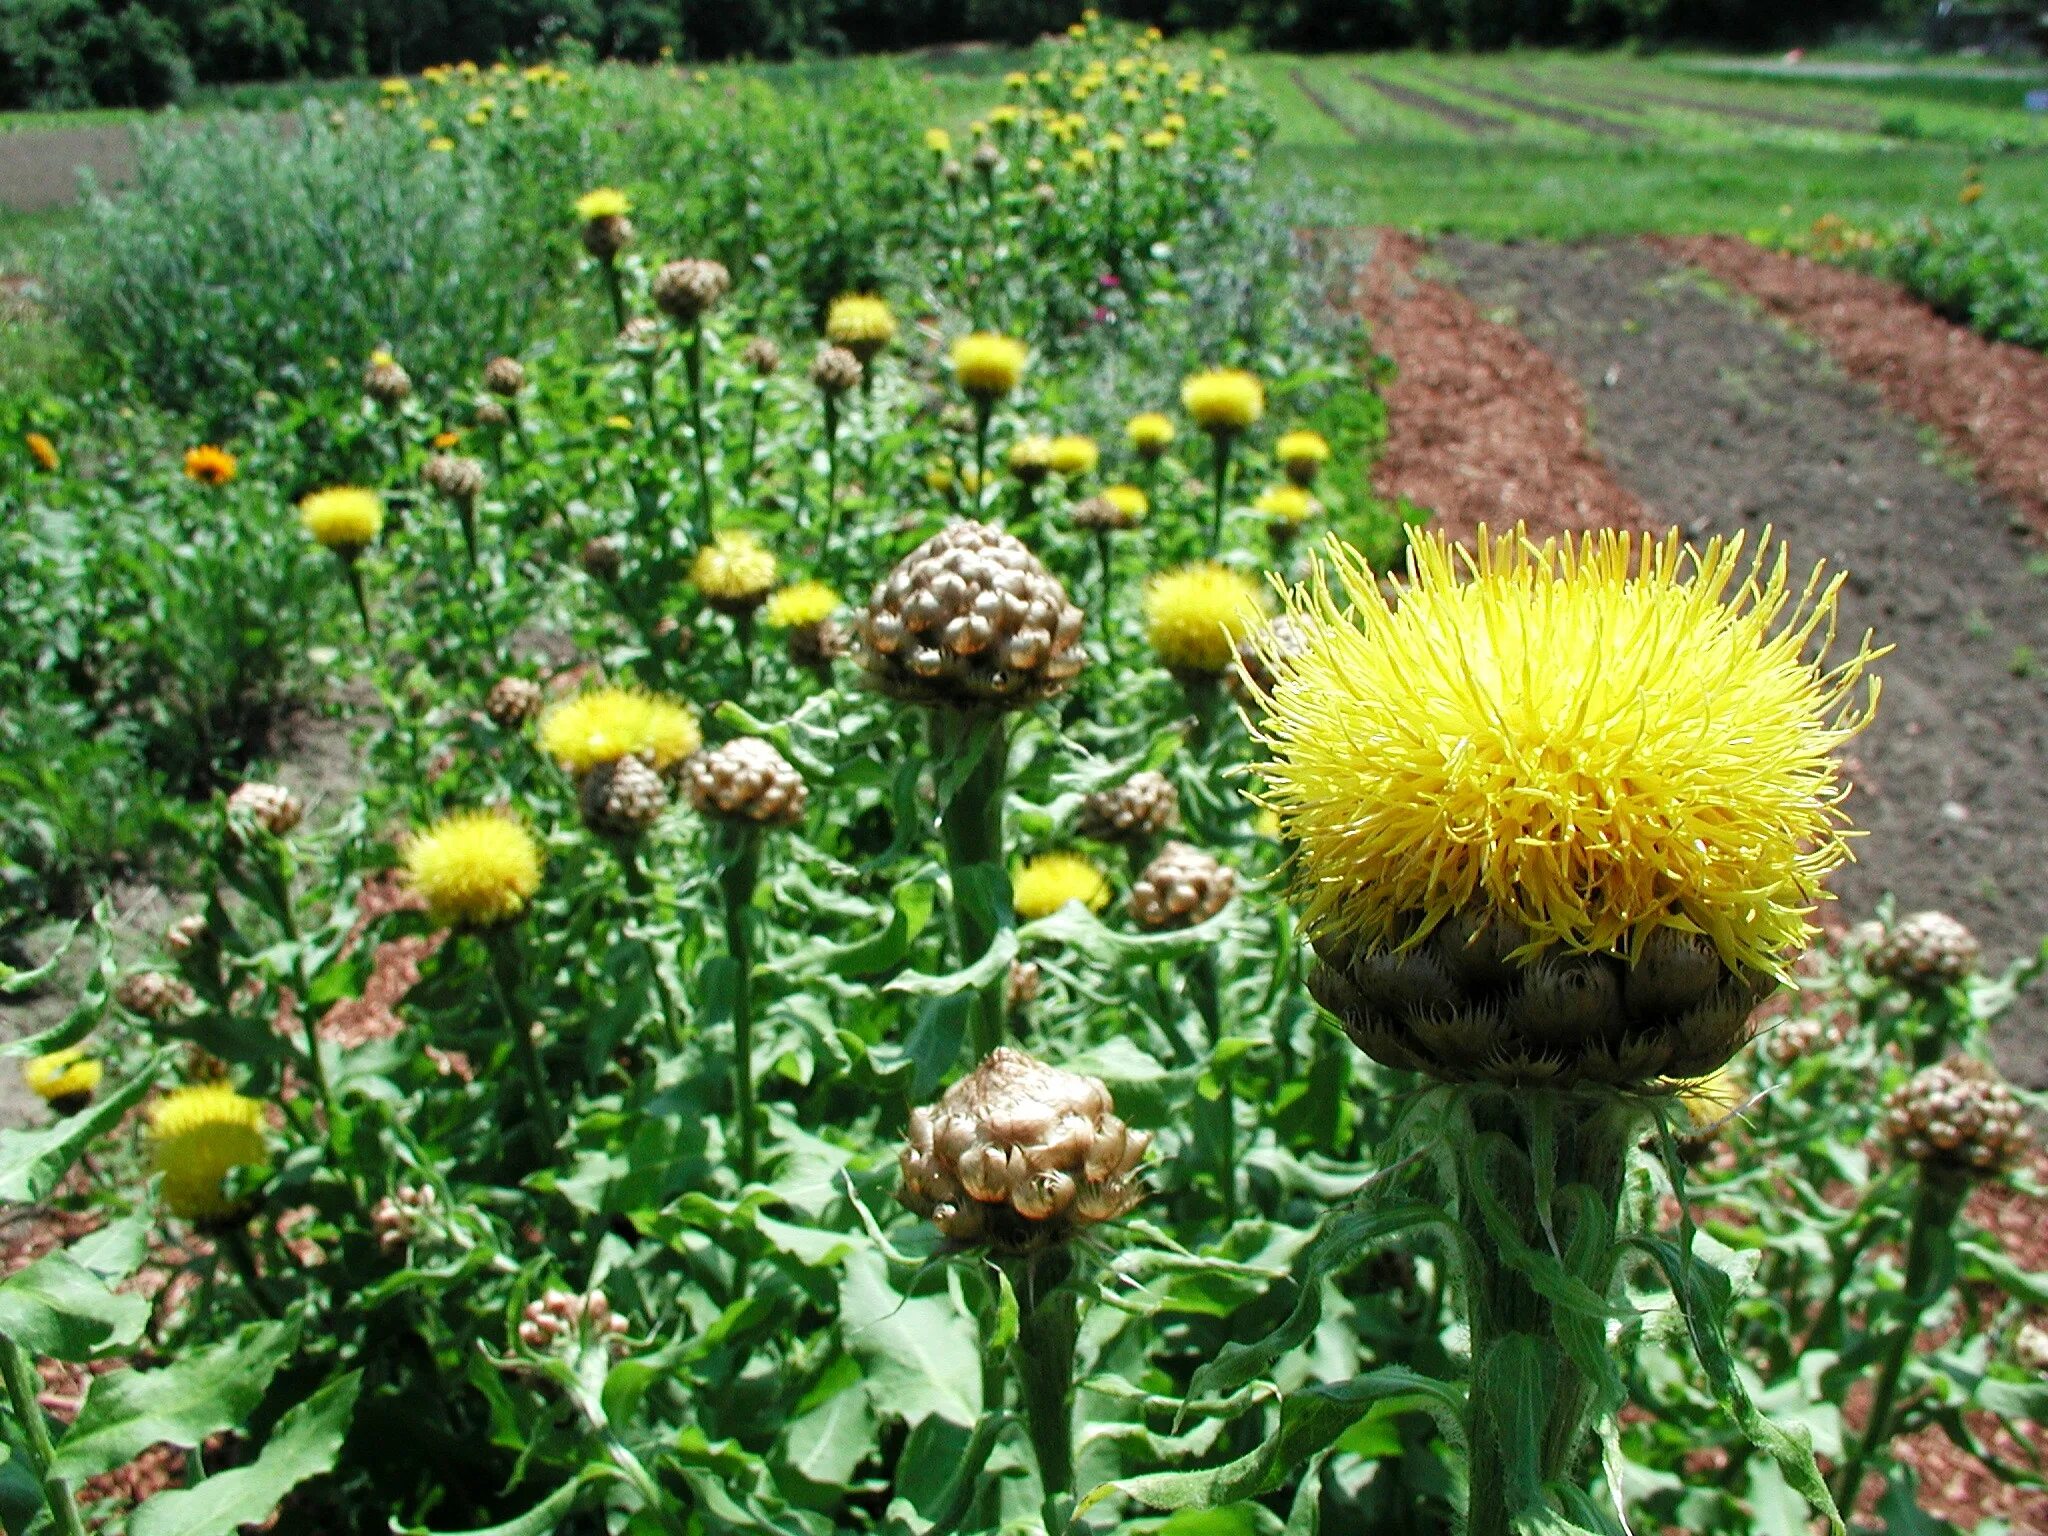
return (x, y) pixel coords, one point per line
(1986, 398)
(1465, 119)
(1722, 422)
(1483, 428)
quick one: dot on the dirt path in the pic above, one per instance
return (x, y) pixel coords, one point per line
(1720, 421)
(39, 170)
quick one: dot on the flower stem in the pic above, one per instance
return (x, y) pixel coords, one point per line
(641, 890)
(355, 587)
(976, 745)
(1936, 1204)
(1108, 592)
(22, 1394)
(1048, 1323)
(825, 540)
(1221, 476)
(505, 969)
(693, 366)
(617, 290)
(235, 1240)
(736, 883)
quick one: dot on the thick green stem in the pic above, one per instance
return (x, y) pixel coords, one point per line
(1105, 597)
(234, 1239)
(1048, 1323)
(641, 890)
(693, 366)
(1503, 1305)
(1935, 1207)
(983, 409)
(736, 882)
(505, 977)
(831, 532)
(617, 291)
(1220, 471)
(971, 830)
(355, 587)
(22, 1393)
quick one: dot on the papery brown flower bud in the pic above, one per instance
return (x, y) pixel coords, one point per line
(1924, 952)
(459, 479)
(687, 290)
(746, 780)
(513, 701)
(261, 807)
(762, 356)
(505, 376)
(835, 370)
(970, 618)
(1182, 887)
(640, 336)
(1957, 1116)
(1796, 1038)
(820, 644)
(602, 558)
(152, 995)
(605, 237)
(622, 798)
(1018, 1154)
(490, 413)
(386, 382)
(1138, 809)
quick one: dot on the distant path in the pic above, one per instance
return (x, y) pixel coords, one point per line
(39, 170)
(1565, 115)
(1465, 119)
(1632, 100)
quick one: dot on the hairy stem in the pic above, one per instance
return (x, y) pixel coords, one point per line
(23, 1386)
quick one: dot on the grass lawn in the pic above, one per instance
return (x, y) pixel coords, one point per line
(1568, 145)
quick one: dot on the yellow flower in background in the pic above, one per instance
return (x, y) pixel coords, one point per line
(209, 465)
(1128, 500)
(801, 605)
(603, 203)
(198, 1136)
(861, 323)
(1301, 453)
(619, 423)
(1114, 144)
(1596, 738)
(735, 567)
(987, 365)
(1223, 400)
(1196, 614)
(602, 725)
(1157, 139)
(447, 439)
(476, 869)
(1030, 458)
(343, 518)
(441, 144)
(42, 450)
(64, 1079)
(397, 85)
(1016, 80)
(939, 477)
(1072, 453)
(1082, 160)
(938, 141)
(1173, 122)
(1291, 504)
(1049, 881)
(1150, 433)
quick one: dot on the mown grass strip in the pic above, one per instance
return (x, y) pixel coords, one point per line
(1323, 104)
(1464, 119)
(1585, 121)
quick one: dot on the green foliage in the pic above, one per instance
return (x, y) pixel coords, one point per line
(1986, 270)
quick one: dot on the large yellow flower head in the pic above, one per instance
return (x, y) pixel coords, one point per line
(603, 203)
(602, 725)
(801, 605)
(861, 323)
(1072, 453)
(198, 1136)
(735, 568)
(1594, 739)
(475, 868)
(1049, 881)
(1150, 433)
(343, 518)
(1223, 401)
(988, 365)
(1196, 614)
(63, 1078)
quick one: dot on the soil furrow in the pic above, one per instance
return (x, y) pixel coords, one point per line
(1464, 119)
(1619, 98)
(1323, 104)
(1723, 423)
(1565, 115)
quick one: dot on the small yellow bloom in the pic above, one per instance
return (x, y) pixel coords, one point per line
(1049, 881)
(64, 1079)
(938, 141)
(1301, 453)
(42, 450)
(603, 203)
(1173, 122)
(735, 567)
(1150, 433)
(1158, 139)
(1595, 737)
(198, 1136)
(1710, 1100)
(619, 423)
(1114, 144)
(604, 724)
(1016, 80)
(801, 605)
(1128, 500)
(1971, 192)
(1030, 457)
(1223, 401)
(1082, 160)
(343, 518)
(447, 439)
(1196, 614)
(1074, 454)
(477, 117)
(940, 478)
(209, 465)
(1290, 504)
(861, 323)
(988, 365)
(396, 86)
(475, 868)
(441, 144)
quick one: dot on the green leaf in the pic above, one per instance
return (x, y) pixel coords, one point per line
(58, 1308)
(211, 1390)
(304, 1445)
(972, 978)
(544, 1519)
(921, 1356)
(1310, 1420)
(33, 1162)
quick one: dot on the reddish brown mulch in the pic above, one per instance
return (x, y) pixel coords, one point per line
(1482, 426)
(1984, 397)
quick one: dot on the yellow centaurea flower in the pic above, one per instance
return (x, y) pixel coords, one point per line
(1196, 614)
(1047, 882)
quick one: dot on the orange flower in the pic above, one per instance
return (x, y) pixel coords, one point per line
(209, 465)
(42, 450)
(447, 439)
